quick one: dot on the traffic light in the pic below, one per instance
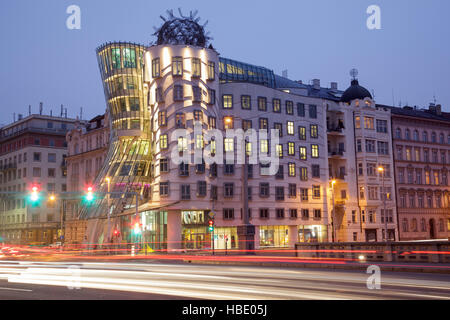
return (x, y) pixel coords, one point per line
(116, 233)
(89, 196)
(137, 228)
(211, 225)
(34, 195)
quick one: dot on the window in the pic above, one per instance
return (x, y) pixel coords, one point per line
(289, 108)
(291, 148)
(292, 190)
(213, 192)
(305, 214)
(291, 167)
(198, 115)
(246, 102)
(36, 172)
(196, 94)
(228, 190)
(199, 141)
(357, 122)
(229, 144)
(212, 122)
(304, 194)
(159, 96)
(314, 151)
(383, 148)
(201, 188)
(163, 143)
(37, 157)
(279, 193)
(314, 131)
(304, 174)
(211, 96)
(178, 94)
(164, 165)
(246, 124)
(52, 157)
(196, 68)
(227, 101)
(368, 123)
(263, 123)
(373, 193)
(279, 213)
(370, 146)
(280, 173)
(180, 120)
(302, 133)
(316, 192)
(358, 145)
(211, 70)
(264, 190)
(162, 118)
(264, 213)
(228, 214)
(313, 112)
(185, 192)
(382, 126)
(228, 169)
(156, 68)
(279, 150)
(301, 109)
(290, 128)
(278, 127)
(315, 171)
(51, 172)
(276, 105)
(317, 214)
(200, 167)
(184, 169)
(262, 104)
(177, 66)
(264, 146)
(293, 213)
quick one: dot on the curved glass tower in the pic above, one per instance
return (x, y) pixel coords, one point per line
(126, 171)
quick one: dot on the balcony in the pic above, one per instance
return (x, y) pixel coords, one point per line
(336, 153)
(9, 166)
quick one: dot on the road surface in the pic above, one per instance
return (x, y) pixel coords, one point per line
(109, 280)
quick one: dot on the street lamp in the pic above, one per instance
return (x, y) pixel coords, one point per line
(383, 194)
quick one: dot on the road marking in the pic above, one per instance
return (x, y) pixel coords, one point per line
(15, 289)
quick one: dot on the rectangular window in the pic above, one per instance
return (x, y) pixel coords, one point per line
(52, 157)
(370, 146)
(301, 109)
(304, 174)
(180, 120)
(304, 194)
(178, 94)
(279, 193)
(182, 144)
(227, 101)
(246, 124)
(302, 133)
(315, 171)
(196, 68)
(156, 68)
(185, 192)
(314, 131)
(201, 188)
(37, 157)
(276, 105)
(314, 151)
(262, 104)
(196, 94)
(211, 96)
(228, 214)
(264, 190)
(382, 126)
(279, 213)
(164, 165)
(293, 213)
(317, 214)
(263, 123)
(291, 167)
(316, 192)
(159, 96)
(211, 70)
(357, 122)
(289, 108)
(162, 118)
(163, 143)
(212, 122)
(368, 123)
(305, 214)
(292, 190)
(177, 66)
(264, 213)
(228, 190)
(36, 172)
(291, 148)
(383, 148)
(313, 112)
(290, 128)
(229, 144)
(198, 115)
(246, 102)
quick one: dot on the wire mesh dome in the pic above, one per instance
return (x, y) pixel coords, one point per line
(182, 30)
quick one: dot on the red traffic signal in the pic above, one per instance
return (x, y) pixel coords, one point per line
(211, 223)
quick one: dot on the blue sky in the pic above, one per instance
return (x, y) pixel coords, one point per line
(409, 58)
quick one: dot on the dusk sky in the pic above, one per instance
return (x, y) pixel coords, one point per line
(408, 59)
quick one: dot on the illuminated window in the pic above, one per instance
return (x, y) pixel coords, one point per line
(291, 167)
(162, 118)
(368, 123)
(156, 68)
(129, 58)
(196, 67)
(182, 144)
(358, 122)
(302, 133)
(289, 107)
(314, 131)
(304, 174)
(246, 124)
(211, 70)
(198, 115)
(229, 144)
(213, 148)
(279, 128)
(227, 101)
(264, 146)
(277, 105)
(290, 128)
(199, 142)
(303, 155)
(291, 148)
(279, 148)
(263, 123)
(163, 143)
(115, 53)
(228, 122)
(314, 151)
(316, 192)
(248, 148)
(180, 120)
(177, 66)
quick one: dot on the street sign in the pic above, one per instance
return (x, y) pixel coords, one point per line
(211, 215)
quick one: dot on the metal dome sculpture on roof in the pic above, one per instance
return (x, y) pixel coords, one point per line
(183, 30)
(355, 91)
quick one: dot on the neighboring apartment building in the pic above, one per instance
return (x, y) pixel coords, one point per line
(87, 149)
(422, 162)
(32, 153)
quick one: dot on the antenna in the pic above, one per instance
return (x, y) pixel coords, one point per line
(81, 113)
(51, 113)
(14, 117)
(41, 107)
(62, 111)
(354, 73)
(29, 109)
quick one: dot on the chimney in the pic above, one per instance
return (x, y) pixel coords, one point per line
(334, 86)
(436, 109)
(316, 84)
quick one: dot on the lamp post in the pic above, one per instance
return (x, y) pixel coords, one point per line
(383, 194)
(108, 181)
(333, 222)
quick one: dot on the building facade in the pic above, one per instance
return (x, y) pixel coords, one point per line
(422, 160)
(32, 154)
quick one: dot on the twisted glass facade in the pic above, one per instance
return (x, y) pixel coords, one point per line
(128, 162)
(235, 71)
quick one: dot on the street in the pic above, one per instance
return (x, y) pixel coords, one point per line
(152, 281)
